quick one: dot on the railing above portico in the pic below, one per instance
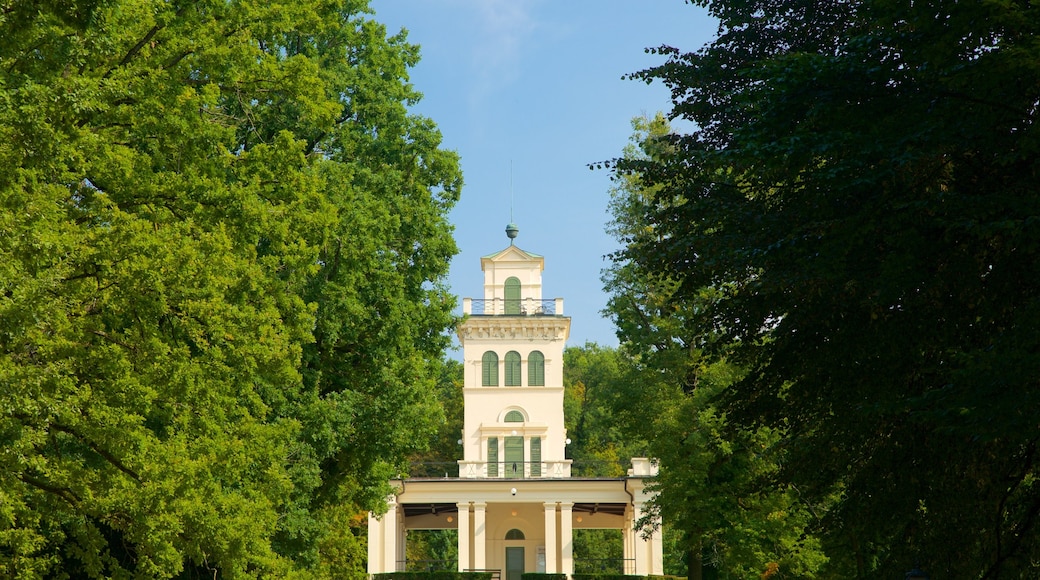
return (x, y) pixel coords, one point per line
(512, 307)
(494, 470)
(514, 469)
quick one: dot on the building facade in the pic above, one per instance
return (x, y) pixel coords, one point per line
(514, 502)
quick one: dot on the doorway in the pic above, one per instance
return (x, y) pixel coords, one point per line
(514, 448)
(514, 563)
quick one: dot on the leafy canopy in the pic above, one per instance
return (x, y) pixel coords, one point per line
(222, 245)
(861, 188)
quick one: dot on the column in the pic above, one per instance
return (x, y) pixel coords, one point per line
(401, 542)
(479, 535)
(642, 549)
(464, 536)
(628, 543)
(566, 539)
(551, 546)
(375, 545)
(657, 551)
(390, 536)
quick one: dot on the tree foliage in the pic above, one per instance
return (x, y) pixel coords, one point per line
(860, 190)
(723, 509)
(221, 245)
(594, 379)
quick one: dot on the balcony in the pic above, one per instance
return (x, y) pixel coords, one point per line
(493, 470)
(518, 307)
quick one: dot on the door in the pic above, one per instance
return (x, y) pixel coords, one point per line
(514, 456)
(514, 563)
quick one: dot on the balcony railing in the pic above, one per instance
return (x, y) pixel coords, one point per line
(494, 470)
(513, 307)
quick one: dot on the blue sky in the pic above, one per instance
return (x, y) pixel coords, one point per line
(534, 88)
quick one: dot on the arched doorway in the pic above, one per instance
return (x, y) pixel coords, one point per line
(514, 554)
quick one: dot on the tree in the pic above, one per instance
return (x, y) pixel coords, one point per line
(861, 188)
(222, 241)
(442, 451)
(716, 490)
(593, 379)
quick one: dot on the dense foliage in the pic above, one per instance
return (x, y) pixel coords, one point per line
(724, 515)
(221, 245)
(859, 197)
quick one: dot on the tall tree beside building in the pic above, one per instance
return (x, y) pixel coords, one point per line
(861, 188)
(222, 241)
(723, 510)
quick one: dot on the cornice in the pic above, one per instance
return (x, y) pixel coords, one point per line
(515, 327)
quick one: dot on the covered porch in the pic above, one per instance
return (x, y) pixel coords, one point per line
(515, 526)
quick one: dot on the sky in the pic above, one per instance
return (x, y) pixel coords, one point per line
(529, 93)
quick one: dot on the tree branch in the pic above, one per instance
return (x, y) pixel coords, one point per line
(97, 449)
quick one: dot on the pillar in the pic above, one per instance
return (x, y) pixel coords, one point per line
(375, 545)
(383, 536)
(551, 546)
(642, 547)
(390, 536)
(628, 542)
(479, 536)
(401, 542)
(464, 536)
(566, 539)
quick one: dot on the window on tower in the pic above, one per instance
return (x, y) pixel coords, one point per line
(512, 369)
(536, 369)
(489, 369)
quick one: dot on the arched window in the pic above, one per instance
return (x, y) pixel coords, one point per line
(514, 534)
(512, 369)
(489, 369)
(514, 416)
(512, 290)
(536, 369)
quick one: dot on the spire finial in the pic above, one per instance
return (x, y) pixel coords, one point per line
(511, 230)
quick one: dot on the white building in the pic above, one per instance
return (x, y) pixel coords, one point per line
(514, 502)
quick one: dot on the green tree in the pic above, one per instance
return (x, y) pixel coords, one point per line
(716, 487)
(442, 452)
(592, 379)
(222, 240)
(861, 189)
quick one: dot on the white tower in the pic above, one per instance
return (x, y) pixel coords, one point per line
(513, 342)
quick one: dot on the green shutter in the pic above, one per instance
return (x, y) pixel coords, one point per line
(536, 369)
(514, 417)
(512, 369)
(492, 457)
(489, 370)
(512, 290)
(514, 449)
(536, 457)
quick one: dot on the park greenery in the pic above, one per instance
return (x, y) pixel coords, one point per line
(834, 271)
(223, 241)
